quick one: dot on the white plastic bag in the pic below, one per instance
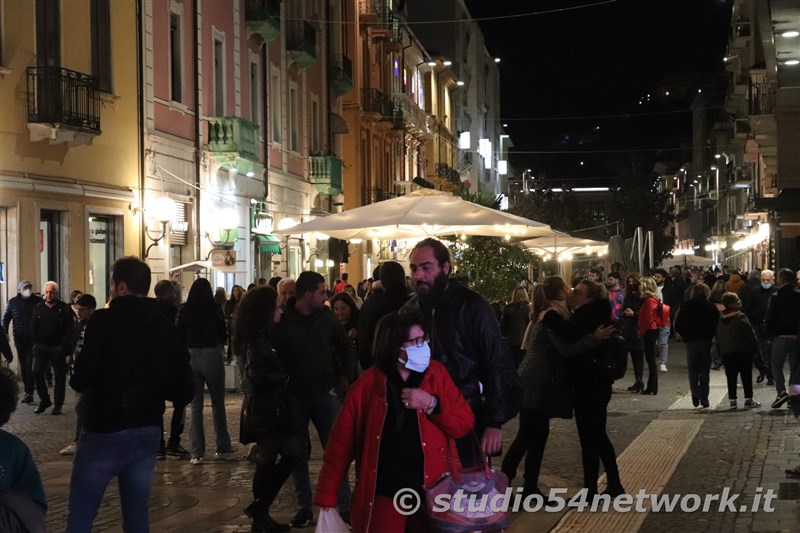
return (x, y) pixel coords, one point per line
(330, 521)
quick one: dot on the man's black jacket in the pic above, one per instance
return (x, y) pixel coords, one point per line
(465, 338)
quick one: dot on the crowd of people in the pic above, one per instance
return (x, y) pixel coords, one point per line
(391, 373)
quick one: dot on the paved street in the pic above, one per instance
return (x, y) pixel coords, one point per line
(664, 447)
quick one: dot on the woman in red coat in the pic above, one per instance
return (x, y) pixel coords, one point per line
(399, 422)
(652, 316)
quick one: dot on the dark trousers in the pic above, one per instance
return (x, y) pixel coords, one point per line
(649, 341)
(531, 439)
(698, 359)
(176, 426)
(739, 364)
(54, 355)
(25, 355)
(637, 358)
(591, 413)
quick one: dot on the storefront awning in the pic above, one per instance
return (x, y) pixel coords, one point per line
(268, 244)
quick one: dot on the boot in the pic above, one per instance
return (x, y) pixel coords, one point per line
(638, 385)
(258, 511)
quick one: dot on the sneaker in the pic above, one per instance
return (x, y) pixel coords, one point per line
(733, 406)
(781, 399)
(224, 456)
(177, 451)
(302, 518)
(751, 404)
(663, 367)
(69, 449)
(196, 460)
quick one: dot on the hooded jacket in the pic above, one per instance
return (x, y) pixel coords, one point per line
(697, 320)
(735, 334)
(466, 339)
(314, 349)
(735, 284)
(132, 359)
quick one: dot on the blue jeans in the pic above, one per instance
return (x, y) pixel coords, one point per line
(662, 345)
(208, 369)
(698, 358)
(781, 347)
(129, 455)
(321, 409)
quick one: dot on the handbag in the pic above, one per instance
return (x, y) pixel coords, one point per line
(479, 485)
(265, 413)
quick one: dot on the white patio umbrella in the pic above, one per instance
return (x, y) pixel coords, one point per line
(561, 242)
(687, 260)
(422, 213)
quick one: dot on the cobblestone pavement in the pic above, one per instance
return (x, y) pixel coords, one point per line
(743, 451)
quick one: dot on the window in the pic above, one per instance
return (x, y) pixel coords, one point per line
(219, 78)
(255, 92)
(175, 58)
(294, 141)
(101, 43)
(315, 142)
(275, 105)
(50, 234)
(102, 254)
(48, 33)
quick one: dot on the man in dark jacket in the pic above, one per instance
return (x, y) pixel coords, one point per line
(20, 310)
(388, 299)
(754, 304)
(465, 338)
(780, 326)
(316, 352)
(50, 324)
(131, 360)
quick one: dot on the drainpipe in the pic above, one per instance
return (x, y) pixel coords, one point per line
(140, 123)
(197, 118)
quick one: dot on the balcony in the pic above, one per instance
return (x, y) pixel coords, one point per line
(373, 195)
(375, 105)
(341, 75)
(63, 106)
(326, 174)
(376, 12)
(233, 134)
(446, 172)
(264, 18)
(761, 94)
(413, 116)
(301, 44)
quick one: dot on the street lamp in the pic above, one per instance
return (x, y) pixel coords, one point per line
(163, 211)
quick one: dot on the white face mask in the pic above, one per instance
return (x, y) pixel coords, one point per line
(26, 293)
(419, 357)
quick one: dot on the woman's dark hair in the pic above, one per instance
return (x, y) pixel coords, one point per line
(253, 316)
(199, 305)
(393, 277)
(390, 335)
(9, 394)
(347, 299)
(700, 292)
(629, 293)
(553, 286)
(540, 302)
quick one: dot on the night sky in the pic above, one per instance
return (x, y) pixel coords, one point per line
(600, 60)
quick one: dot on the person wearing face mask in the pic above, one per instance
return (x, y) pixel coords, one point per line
(631, 303)
(20, 311)
(754, 306)
(396, 421)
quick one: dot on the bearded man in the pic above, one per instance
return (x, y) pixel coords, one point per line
(465, 337)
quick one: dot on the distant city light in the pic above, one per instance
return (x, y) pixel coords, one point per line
(460, 83)
(790, 33)
(496, 59)
(447, 63)
(791, 62)
(431, 63)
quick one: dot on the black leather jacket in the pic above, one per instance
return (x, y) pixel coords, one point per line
(465, 338)
(783, 312)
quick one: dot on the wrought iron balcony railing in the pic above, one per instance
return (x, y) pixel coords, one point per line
(373, 101)
(301, 43)
(371, 195)
(341, 75)
(762, 96)
(233, 134)
(63, 97)
(264, 17)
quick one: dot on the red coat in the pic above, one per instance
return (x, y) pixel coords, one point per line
(649, 318)
(357, 433)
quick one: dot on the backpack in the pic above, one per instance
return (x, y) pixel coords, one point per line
(615, 356)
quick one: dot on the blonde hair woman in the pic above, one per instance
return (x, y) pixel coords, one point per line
(515, 321)
(652, 316)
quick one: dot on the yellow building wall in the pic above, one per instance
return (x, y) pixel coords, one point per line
(111, 161)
